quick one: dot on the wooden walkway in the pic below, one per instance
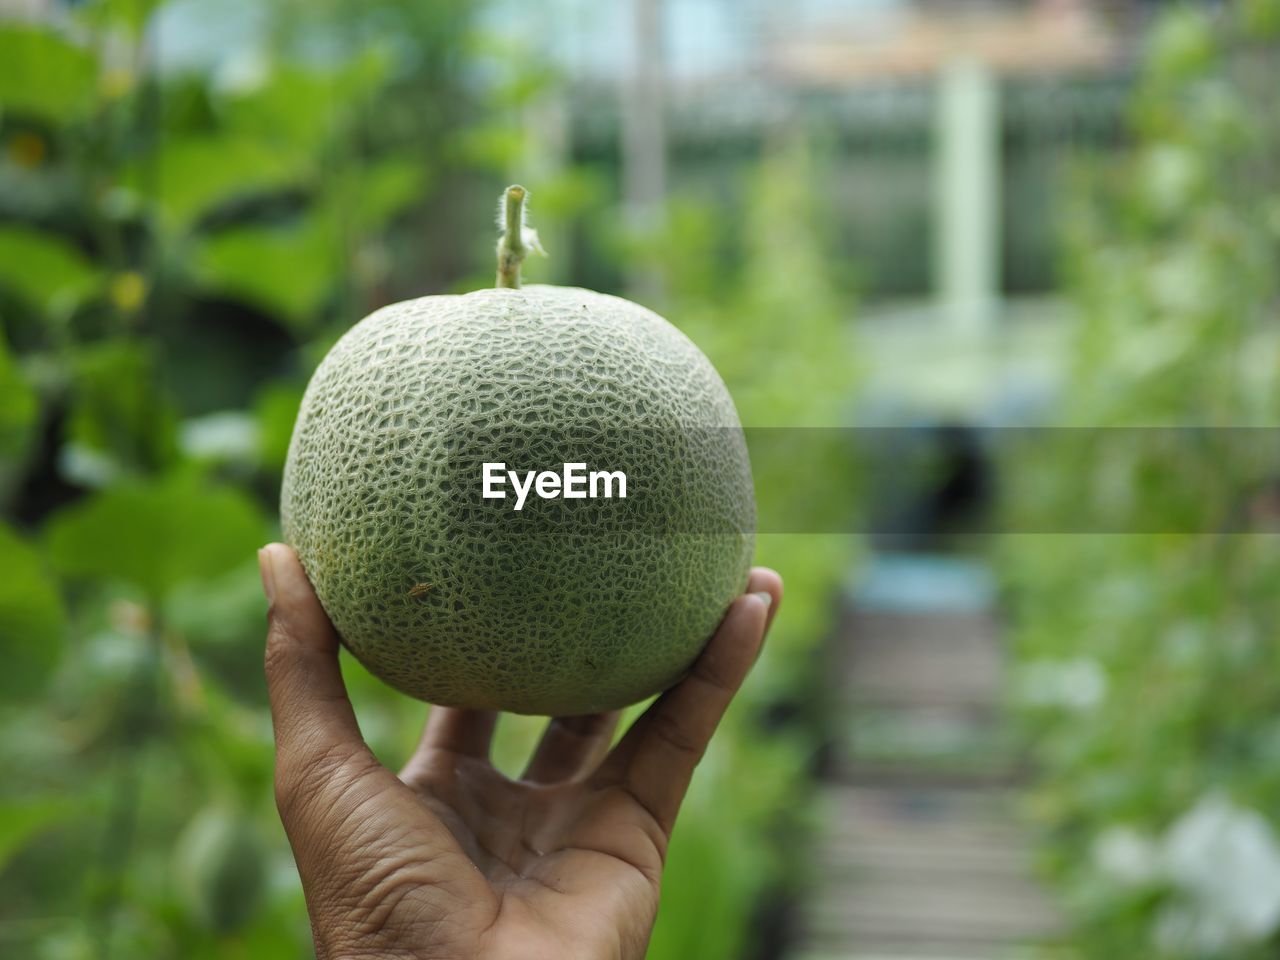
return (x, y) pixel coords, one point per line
(921, 854)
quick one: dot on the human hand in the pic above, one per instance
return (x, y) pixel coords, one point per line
(453, 860)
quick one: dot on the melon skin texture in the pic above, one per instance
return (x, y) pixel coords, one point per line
(569, 606)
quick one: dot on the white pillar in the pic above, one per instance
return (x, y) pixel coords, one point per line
(644, 140)
(967, 197)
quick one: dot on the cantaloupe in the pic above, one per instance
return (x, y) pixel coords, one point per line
(568, 606)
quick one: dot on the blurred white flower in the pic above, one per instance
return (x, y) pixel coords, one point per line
(221, 436)
(83, 465)
(1181, 281)
(1126, 857)
(1186, 930)
(1074, 684)
(244, 72)
(1172, 175)
(1225, 860)
(1185, 642)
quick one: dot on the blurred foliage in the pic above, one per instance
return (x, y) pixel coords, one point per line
(178, 248)
(769, 312)
(1148, 673)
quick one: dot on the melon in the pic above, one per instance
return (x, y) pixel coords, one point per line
(568, 605)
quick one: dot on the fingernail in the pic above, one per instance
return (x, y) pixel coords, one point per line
(765, 597)
(268, 574)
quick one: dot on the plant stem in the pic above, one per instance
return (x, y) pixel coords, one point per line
(511, 246)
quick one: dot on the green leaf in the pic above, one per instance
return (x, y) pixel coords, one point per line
(304, 106)
(218, 612)
(276, 408)
(18, 408)
(104, 15)
(294, 105)
(287, 271)
(1261, 18)
(32, 619)
(118, 411)
(199, 174)
(21, 821)
(45, 270)
(374, 195)
(156, 535)
(290, 270)
(43, 74)
(1182, 45)
(219, 868)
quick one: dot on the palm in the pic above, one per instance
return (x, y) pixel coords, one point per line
(453, 859)
(573, 866)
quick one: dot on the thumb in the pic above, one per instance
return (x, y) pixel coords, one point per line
(315, 727)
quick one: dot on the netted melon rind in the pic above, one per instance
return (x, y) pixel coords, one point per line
(576, 607)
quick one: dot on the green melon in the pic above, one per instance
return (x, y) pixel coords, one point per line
(566, 606)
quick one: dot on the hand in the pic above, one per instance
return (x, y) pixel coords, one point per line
(451, 859)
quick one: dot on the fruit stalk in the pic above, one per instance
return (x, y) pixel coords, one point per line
(512, 248)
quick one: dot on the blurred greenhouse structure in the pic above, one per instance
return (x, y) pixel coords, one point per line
(932, 222)
(945, 130)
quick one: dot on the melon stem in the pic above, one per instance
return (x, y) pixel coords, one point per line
(512, 248)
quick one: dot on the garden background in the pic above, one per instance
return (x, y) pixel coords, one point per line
(198, 198)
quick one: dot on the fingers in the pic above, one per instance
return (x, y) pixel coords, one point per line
(571, 746)
(347, 817)
(764, 580)
(452, 731)
(656, 758)
(314, 723)
(465, 732)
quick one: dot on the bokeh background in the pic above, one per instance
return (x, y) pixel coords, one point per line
(936, 219)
